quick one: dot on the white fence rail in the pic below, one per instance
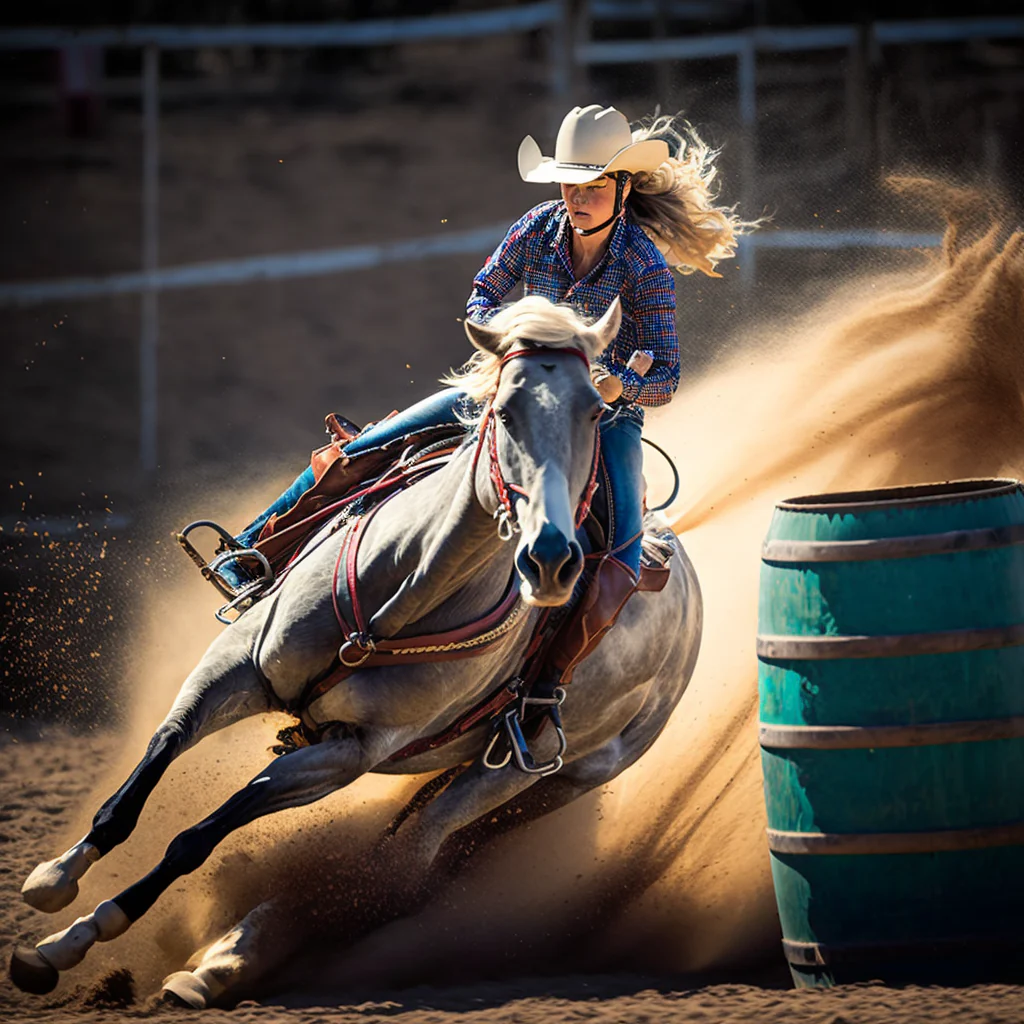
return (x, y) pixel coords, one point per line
(320, 262)
(275, 267)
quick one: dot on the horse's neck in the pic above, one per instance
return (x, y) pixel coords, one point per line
(432, 555)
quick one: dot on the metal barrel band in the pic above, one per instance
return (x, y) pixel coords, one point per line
(828, 648)
(911, 496)
(884, 843)
(877, 737)
(886, 548)
(824, 954)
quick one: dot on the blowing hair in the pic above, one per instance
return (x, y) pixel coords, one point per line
(675, 204)
(533, 318)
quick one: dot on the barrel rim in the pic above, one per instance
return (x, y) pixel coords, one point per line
(907, 496)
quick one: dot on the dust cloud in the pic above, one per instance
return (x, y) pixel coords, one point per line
(903, 378)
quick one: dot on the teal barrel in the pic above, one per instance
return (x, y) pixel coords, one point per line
(891, 676)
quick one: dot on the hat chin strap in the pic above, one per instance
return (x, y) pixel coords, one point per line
(621, 177)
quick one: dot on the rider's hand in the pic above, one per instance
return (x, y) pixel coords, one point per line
(609, 387)
(640, 362)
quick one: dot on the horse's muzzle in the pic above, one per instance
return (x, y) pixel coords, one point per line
(549, 567)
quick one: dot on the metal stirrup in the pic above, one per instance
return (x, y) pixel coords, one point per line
(249, 590)
(231, 549)
(518, 747)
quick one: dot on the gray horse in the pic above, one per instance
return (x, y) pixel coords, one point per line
(432, 557)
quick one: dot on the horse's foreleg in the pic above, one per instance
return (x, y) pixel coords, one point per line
(293, 780)
(475, 792)
(478, 791)
(240, 958)
(223, 689)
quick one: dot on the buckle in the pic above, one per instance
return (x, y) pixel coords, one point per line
(362, 643)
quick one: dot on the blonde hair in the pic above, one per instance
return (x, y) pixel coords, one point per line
(675, 204)
(534, 319)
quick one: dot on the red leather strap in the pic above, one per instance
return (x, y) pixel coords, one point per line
(452, 644)
(502, 488)
(546, 350)
(494, 705)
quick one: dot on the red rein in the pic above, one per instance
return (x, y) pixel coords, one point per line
(502, 488)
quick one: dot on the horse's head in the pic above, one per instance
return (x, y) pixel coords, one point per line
(539, 432)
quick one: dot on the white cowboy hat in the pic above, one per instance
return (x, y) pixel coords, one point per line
(592, 141)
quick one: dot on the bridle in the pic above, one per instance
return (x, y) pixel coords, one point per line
(505, 513)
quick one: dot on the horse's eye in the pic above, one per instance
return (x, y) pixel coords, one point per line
(504, 417)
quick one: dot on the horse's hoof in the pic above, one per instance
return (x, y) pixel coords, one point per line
(31, 973)
(41, 893)
(53, 885)
(164, 1000)
(183, 988)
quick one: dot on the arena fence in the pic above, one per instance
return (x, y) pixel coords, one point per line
(571, 50)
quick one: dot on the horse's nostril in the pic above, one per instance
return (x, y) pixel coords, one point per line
(570, 569)
(552, 562)
(526, 565)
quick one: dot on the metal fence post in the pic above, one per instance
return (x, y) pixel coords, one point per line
(856, 86)
(746, 87)
(582, 34)
(149, 326)
(662, 68)
(561, 51)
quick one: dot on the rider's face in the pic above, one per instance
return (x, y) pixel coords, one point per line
(591, 203)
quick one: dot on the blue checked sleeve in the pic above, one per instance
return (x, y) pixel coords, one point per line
(504, 267)
(654, 313)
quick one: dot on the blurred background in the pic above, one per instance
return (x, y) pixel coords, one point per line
(222, 220)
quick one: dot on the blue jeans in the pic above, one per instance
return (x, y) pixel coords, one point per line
(620, 447)
(624, 463)
(442, 407)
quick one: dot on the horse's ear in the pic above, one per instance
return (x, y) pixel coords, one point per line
(604, 332)
(483, 337)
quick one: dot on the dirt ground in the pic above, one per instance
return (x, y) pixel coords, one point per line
(42, 783)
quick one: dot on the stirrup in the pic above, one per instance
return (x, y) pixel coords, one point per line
(239, 598)
(511, 729)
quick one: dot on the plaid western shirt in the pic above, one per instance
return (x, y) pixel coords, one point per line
(536, 252)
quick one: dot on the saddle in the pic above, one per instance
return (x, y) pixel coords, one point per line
(358, 481)
(349, 487)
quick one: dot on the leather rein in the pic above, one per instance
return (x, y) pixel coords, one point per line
(359, 649)
(505, 513)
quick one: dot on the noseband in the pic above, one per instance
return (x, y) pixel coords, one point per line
(505, 513)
